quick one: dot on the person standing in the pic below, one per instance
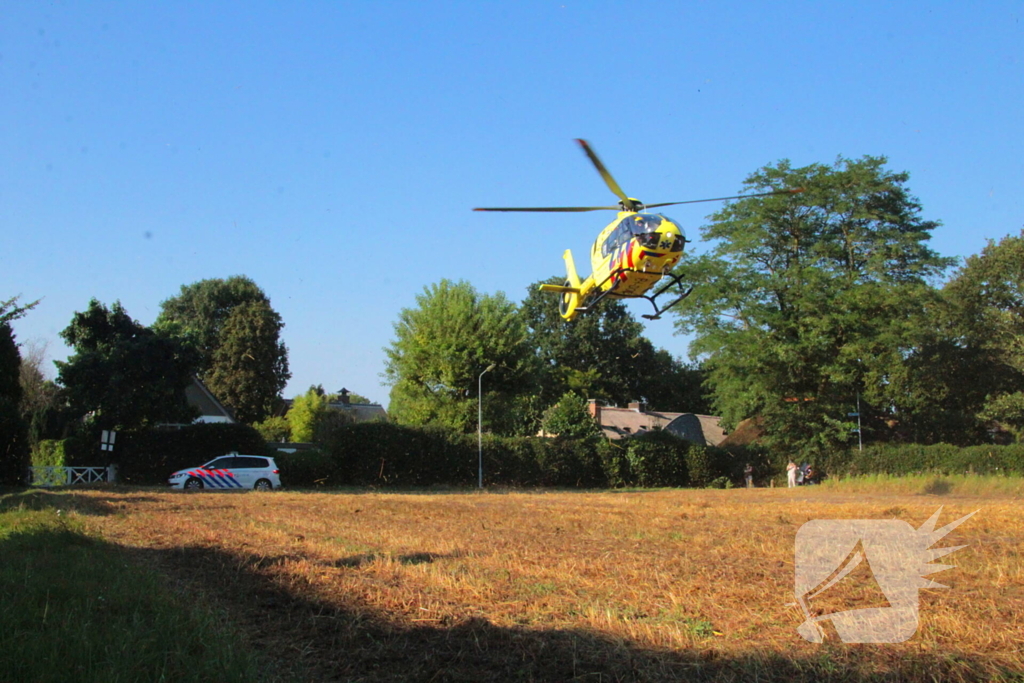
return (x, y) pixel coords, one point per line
(748, 475)
(791, 469)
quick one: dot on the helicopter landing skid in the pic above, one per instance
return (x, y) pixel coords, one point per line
(658, 312)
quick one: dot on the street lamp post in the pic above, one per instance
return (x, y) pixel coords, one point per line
(480, 424)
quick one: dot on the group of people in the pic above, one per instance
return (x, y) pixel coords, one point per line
(796, 475)
(799, 475)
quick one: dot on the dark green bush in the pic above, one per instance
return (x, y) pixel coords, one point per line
(307, 469)
(614, 457)
(661, 459)
(570, 462)
(147, 457)
(511, 461)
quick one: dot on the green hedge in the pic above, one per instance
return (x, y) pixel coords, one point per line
(898, 459)
(148, 457)
(385, 454)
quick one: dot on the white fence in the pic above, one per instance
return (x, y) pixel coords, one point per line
(69, 476)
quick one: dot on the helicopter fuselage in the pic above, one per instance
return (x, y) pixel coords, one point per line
(629, 257)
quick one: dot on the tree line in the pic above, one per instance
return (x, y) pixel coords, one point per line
(804, 307)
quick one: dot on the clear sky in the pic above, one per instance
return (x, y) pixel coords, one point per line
(332, 151)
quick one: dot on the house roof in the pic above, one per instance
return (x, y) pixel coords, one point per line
(361, 412)
(703, 429)
(747, 432)
(618, 423)
(210, 409)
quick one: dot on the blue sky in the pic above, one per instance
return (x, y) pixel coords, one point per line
(332, 151)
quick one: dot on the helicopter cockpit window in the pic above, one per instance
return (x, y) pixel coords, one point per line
(646, 222)
(629, 227)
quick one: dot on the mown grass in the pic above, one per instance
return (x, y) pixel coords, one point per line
(928, 484)
(74, 607)
(609, 586)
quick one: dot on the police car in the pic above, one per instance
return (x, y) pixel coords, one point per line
(230, 472)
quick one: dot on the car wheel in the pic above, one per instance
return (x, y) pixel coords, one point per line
(193, 484)
(262, 485)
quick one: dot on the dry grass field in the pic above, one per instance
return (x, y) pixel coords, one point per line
(605, 586)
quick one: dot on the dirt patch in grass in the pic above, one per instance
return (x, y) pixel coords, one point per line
(662, 585)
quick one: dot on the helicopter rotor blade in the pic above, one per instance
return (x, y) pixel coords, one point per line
(562, 209)
(608, 179)
(722, 199)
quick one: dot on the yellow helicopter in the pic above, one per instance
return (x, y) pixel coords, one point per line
(630, 255)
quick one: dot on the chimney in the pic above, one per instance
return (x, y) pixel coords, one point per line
(638, 407)
(343, 395)
(594, 410)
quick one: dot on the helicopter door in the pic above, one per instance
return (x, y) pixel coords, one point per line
(619, 236)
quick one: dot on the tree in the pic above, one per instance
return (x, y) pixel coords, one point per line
(807, 301)
(250, 365)
(306, 411)
(123, 373)
(14, 445)
(13, 431)
(40, 401)
(236, 335)
(986, 297)
(570, 418)
(442, 346)
(275, 429)
(603, 354)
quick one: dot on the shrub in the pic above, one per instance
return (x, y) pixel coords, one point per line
(307, 468)
(274, 429)
(570, 418)
(570, 462)
(614, 457)
(511, 461)
(698, 463)
(48, 453)
(660, 459)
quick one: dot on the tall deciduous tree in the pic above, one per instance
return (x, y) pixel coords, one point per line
(236, 333)
(126, 374)
(987, 300)
(40, 402)
(250, 364)
(807, 301)
(440, 348)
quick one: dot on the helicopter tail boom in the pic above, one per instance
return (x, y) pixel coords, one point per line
(572, 291)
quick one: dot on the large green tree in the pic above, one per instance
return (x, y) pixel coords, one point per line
(986, 297)
(441, 347)
(250, 365)
(236, 334)
(604, 355)
(13, 428)
(807, 301)
(124, 374)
